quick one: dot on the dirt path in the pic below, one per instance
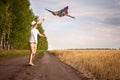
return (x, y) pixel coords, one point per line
(47, 68)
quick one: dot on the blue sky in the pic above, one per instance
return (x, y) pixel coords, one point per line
(97, 23)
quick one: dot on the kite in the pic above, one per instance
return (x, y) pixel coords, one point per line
(61, 13)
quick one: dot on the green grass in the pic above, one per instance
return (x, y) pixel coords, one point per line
(5, 54)
(13, 53)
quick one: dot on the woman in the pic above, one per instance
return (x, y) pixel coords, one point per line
(34, 32)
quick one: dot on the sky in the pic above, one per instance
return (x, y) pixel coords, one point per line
(96, 23)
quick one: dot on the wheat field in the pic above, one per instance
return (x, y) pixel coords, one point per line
(97, 64)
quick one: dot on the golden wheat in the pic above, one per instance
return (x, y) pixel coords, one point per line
(103, 64)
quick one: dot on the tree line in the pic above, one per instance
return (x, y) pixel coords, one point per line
(15, 19)
(95, 49)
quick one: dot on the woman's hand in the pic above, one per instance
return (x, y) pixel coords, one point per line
(40, 21)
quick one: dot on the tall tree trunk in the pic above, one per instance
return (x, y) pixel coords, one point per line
(7, 44)
(1, 43)
(4, 43)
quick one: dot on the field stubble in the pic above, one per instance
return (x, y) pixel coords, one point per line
(99, 64)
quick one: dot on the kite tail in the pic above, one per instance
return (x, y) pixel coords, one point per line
(70, 16)
(50, 11)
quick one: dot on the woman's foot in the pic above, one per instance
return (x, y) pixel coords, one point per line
(30, 64)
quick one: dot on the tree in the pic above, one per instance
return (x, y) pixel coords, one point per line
(5, 23)
(42, 42)
(15, 19)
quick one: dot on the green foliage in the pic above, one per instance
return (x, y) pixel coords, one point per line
(42, 42)
(41, 53)
(22, 16)
(15, 19)
(5, 17)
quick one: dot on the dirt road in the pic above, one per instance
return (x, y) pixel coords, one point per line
(47, 68)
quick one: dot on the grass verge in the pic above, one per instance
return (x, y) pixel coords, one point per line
(13, 53)
(4, 54)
